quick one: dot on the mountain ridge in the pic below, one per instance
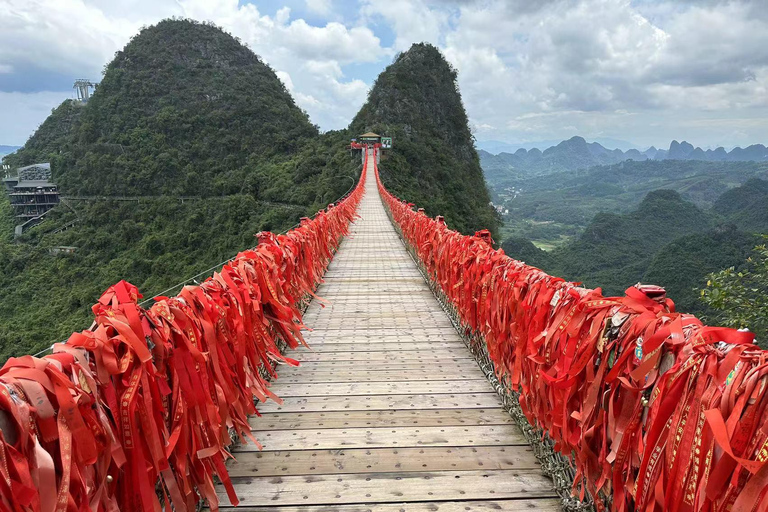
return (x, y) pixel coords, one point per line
(433, 161)
(577, 153)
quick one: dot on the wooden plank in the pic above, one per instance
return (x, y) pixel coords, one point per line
(394, 313)
(412, 276)
(307, 376)
(390, 418)
(422, 331)
(381, 460)
(384, 324)
(387, 311)
(393, 356)
(362, 337)
(399, 308)
(383, 286)
(425, 297)
(382, 437)
(383, 402)
(389, 279)
(384, 306)
(512, 505)
(390, 487)
(284, 390)
(364, 322)
(388, 321)
(338, 291)
(392, 346)
(446, 365)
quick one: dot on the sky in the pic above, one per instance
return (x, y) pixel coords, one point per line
(644, 71)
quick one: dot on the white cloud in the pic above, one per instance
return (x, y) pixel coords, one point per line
(584, 62)
(645, 70)
(333, 42)
(413, 21)
(62, 35)
(319, 6)
(286, 79)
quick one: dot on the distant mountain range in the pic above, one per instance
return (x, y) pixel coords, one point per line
(4, 150)
(577, 153)
(496, 146)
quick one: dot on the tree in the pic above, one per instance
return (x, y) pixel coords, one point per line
(741, 296)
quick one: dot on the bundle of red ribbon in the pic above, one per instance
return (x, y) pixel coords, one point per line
(656, 411)
(135, 414)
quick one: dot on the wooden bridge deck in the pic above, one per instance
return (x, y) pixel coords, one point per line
(388, 411)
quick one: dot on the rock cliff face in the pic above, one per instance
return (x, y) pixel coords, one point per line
(433, 162)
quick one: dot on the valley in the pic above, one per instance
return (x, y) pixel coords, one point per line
(666, 222)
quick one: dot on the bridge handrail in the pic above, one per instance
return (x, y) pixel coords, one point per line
(136, 413)
(654, 410)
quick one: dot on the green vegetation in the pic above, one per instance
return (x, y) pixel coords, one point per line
(681, 266)
(433, 162)
(746, 206)
(740, 296)
(206, 134)
(193, 145)
(615, 250)
(524, 250)
(153, 244)
(676, 223)
(555, 208)
(183, 109)
(666, 241)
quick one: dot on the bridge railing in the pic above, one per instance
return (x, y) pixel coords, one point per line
(651, 409)
(136, 413)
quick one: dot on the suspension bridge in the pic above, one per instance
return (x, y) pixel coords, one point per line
(387, 406)
(437, 374)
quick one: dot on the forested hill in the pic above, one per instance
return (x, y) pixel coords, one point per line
(433, 162)
(184, 110)
(666, 241)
